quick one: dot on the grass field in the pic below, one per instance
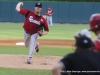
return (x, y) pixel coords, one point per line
(9, 71)
(58, 31)
(50, 51)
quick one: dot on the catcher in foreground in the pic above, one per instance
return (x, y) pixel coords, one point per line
(33, 26)
(84, 61)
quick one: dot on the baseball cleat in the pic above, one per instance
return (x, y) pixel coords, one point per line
(29, 61)
(37, 47)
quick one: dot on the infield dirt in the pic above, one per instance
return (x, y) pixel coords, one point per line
(38, 62)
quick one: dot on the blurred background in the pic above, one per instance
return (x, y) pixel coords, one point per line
(65, 11)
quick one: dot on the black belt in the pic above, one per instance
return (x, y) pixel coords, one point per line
(29, 33)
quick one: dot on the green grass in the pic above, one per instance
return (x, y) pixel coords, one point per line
(58, 31)
(8, 71)
(50, 51)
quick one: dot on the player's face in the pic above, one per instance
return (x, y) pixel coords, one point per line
(38, 9)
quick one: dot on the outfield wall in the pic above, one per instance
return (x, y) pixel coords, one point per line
(64, 12)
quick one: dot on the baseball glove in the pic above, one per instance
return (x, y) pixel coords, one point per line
(40, 31)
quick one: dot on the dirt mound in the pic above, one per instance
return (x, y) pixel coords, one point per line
(38, 62)
(19, 61)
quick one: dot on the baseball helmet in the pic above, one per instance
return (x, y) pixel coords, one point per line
(95, 22)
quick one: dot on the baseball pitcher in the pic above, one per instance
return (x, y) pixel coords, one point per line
(49, 13)
(33, 27)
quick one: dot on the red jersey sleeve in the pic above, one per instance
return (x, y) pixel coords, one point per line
(46, 28)
(23, 11)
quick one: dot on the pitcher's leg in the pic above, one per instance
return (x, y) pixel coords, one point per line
(37, 47)
(32, 46)
(26, 39)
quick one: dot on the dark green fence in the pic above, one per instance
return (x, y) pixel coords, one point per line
(64, 12)
(58, 0)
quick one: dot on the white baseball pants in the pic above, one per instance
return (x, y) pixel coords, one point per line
(49, 20)
(30, 41)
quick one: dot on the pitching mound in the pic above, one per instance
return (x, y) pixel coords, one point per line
(19, 62)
